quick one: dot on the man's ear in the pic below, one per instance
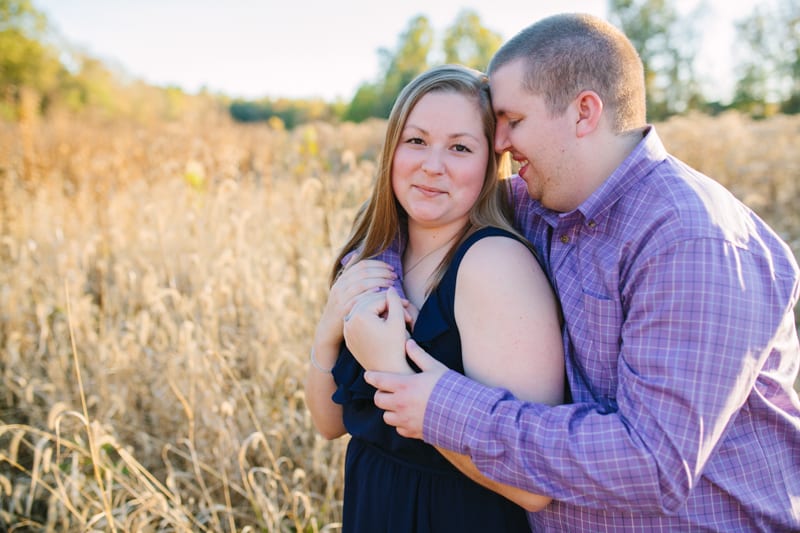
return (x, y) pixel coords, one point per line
(589, 109)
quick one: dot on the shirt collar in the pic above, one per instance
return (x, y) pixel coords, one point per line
(647, 154)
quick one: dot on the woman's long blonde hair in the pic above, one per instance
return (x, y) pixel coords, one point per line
(381, 219)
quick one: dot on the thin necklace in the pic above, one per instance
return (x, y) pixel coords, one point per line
(418, 261)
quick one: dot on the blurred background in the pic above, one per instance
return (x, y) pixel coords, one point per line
(301, 61)
(176, 179)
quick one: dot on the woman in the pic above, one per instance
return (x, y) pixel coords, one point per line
(468, 273)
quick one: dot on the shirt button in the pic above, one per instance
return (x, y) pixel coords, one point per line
(565, 238)
(592, 224)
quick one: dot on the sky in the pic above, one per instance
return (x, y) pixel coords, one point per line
(314, 48)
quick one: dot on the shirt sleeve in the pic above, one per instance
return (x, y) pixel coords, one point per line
(704, 321)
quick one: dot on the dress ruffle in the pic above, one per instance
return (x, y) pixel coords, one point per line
(349, 377)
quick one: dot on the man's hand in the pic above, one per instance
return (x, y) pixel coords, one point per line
(404, 397)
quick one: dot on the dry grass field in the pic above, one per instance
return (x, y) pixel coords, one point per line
(159, 289)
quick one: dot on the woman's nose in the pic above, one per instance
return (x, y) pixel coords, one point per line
(433, 162)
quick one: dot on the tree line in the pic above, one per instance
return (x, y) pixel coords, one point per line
(37, 74)
(466, 41)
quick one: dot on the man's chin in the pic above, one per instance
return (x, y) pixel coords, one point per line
(535, 195)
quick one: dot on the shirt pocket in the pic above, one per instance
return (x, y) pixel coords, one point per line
(603, 321)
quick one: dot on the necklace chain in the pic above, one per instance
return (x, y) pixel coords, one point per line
(421, 259)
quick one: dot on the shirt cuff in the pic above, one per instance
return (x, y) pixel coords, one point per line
(452, 406)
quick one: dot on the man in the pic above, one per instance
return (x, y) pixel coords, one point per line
(678, 302)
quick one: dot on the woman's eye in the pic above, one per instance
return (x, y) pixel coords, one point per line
(461, 148)
(415, 140)
(513, 123)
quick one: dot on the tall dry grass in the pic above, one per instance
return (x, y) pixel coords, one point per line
(159, 290)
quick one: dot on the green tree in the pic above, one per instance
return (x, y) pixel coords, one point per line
(99, 88)
(365, 103)
(792, 18)
(290, 112)
(468, 42)
(24, 61)
(398, 67)
(22, 16)
(753, 68)
(409, 60)
(667, 45)
(768, 60)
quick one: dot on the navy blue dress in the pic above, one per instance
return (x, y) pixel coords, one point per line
(398, 485)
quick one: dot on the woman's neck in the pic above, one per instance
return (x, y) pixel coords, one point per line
(423, 240)
(424, 252)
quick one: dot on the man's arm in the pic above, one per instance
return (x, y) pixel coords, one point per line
(404, 397)
(527, 500)
(693, 344)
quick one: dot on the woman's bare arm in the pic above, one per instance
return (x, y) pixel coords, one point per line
(509, 322)
(364, 277)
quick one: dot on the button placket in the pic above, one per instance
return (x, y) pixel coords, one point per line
(559, 254)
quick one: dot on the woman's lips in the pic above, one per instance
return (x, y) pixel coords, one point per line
(428, 191)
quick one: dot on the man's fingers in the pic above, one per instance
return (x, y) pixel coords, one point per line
(422, 359)
(387, 384)
(393, 419)
(379, 380)
(382, 400)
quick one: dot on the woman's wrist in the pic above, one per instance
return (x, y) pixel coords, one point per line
(318, 366)
(323, 356)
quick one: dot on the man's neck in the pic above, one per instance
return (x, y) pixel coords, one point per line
(605, 156)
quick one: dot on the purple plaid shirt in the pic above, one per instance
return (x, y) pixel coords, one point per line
(681, 351)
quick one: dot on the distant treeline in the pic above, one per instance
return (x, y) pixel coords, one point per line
(286, 112)
(38, 74)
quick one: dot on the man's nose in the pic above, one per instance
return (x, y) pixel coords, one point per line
(501, 143)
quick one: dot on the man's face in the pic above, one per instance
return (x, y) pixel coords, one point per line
(536, 139)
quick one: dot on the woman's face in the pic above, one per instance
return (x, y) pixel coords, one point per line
(440, 161)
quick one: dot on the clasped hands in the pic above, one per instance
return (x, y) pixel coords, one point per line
(376, 329)
(375, 332)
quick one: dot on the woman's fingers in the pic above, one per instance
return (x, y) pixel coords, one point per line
(369, 304)
(370, 267)
(365, 276)
(410, 313)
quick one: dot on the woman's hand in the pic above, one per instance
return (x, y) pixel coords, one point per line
(375, 332)
(364, 277)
